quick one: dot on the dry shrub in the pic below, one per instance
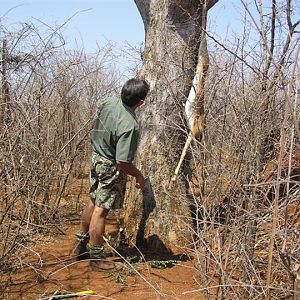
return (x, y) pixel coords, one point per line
(247, 200)
(48, 99)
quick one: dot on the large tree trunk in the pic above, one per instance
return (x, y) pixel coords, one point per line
(163, 221)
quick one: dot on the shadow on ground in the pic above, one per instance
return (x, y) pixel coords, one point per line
(134, 255)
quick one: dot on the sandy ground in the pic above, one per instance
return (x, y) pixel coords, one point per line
(51, 268)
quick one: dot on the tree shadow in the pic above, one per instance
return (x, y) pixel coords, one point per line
(155, 259)
(148, 206)
(142, 252)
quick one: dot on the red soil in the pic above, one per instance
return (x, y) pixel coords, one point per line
(51, 268)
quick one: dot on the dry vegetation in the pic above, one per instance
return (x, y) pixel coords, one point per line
(248, 208)
(247, 232)
(48, 98)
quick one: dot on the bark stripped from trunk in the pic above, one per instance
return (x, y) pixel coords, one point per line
(194, 106)
(162, 220)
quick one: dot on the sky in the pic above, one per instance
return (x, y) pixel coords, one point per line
(89, 21)
(97, 21)
(92, 23)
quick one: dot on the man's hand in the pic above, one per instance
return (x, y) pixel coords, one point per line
(130, 169)
(140, 182)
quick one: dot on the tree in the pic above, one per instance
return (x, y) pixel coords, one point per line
(162, 220)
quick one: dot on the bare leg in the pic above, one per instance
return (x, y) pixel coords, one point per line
(97, 226)
(87, 216)
(97, 230)
(82, 237)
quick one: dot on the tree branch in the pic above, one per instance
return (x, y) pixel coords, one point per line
(292, 28)
(272, 42)
(257, 72)
(211, 3)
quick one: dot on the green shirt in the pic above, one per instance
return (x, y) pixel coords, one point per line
(115, 132)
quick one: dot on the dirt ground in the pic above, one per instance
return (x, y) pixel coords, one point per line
(51, 269)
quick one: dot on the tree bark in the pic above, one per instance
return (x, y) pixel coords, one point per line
(160, 218)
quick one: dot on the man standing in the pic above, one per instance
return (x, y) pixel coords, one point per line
(114, 141)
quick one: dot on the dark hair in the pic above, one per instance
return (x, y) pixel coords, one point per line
(133, 91)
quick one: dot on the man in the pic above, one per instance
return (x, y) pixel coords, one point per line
(114, 141)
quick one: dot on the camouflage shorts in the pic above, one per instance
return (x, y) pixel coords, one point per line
(107, 183)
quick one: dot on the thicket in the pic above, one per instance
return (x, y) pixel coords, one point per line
(247, 237)
(246, 189)
(49, 96)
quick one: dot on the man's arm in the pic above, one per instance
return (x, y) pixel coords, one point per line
(130, 169)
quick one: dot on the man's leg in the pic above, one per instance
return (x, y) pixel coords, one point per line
(97, 231)
(97, 226)
(82, 235)
(87, 216)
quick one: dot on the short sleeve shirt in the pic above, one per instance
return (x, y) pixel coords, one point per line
(115, 131)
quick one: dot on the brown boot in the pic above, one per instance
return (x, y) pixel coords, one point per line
(80, 247)
(98, 261)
